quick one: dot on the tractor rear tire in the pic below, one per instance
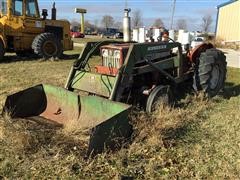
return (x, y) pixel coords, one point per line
(2, 50)
(210, 72)
(47, 45)
(159, 95)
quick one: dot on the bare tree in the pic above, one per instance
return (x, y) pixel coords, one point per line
(158, 23)
(118, 25)
(75, 25)
(206, 22)
(88, 25)
(107, 21)
(182, 24)
(96, 21)
(137, 18)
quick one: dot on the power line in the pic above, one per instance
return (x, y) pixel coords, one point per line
(173, 12)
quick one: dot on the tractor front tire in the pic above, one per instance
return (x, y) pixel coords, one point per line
(47, 45)
(159, 95)
(210, 72)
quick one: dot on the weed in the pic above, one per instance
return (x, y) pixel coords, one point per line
(198, 139)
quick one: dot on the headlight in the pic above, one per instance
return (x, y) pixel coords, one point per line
(117, 54)
(104, 52)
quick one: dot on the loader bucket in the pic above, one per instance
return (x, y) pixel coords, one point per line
(107, 120)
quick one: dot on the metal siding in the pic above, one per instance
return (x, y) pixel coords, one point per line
(228, 28)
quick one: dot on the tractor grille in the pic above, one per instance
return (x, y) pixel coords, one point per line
(111, 58)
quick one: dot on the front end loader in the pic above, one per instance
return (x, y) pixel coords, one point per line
(98, 95)
(25, 31)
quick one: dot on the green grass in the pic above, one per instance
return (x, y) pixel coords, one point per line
(200, 140)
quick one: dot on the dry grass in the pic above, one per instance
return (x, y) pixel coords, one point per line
(198, 139)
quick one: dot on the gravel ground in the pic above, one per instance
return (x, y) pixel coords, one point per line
(233, 57)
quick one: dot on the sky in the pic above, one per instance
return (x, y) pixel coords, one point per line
(191, 10)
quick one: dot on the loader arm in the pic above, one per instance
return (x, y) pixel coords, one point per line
(90, 49)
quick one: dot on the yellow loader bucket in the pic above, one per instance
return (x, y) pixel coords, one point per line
(108, 120)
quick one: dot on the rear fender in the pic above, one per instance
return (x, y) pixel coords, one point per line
(196, 52)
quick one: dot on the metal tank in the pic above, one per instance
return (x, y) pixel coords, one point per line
(172, 34)
(127, 26)
(135, 35)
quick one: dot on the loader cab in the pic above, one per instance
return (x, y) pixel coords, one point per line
(32, 9)
(25, 8)
(3, 7)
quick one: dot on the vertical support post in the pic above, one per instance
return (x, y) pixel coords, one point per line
(180, 68)
(82, 23)
(9, 6)
(82, 12)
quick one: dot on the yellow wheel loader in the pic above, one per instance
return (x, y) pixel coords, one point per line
(22, 30)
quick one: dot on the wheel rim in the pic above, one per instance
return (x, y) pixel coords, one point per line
(215, 77)
(50, 48)
(159, 100)
(161, 95)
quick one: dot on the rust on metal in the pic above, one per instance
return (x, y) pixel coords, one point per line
(196, 52)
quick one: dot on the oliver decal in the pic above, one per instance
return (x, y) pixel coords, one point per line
(154, 48)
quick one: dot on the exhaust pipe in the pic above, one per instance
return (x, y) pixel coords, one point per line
(127, 26)
(54, 12)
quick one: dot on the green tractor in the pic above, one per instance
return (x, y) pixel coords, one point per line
(100, 97)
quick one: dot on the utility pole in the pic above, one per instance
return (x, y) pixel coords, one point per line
(173, 12)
